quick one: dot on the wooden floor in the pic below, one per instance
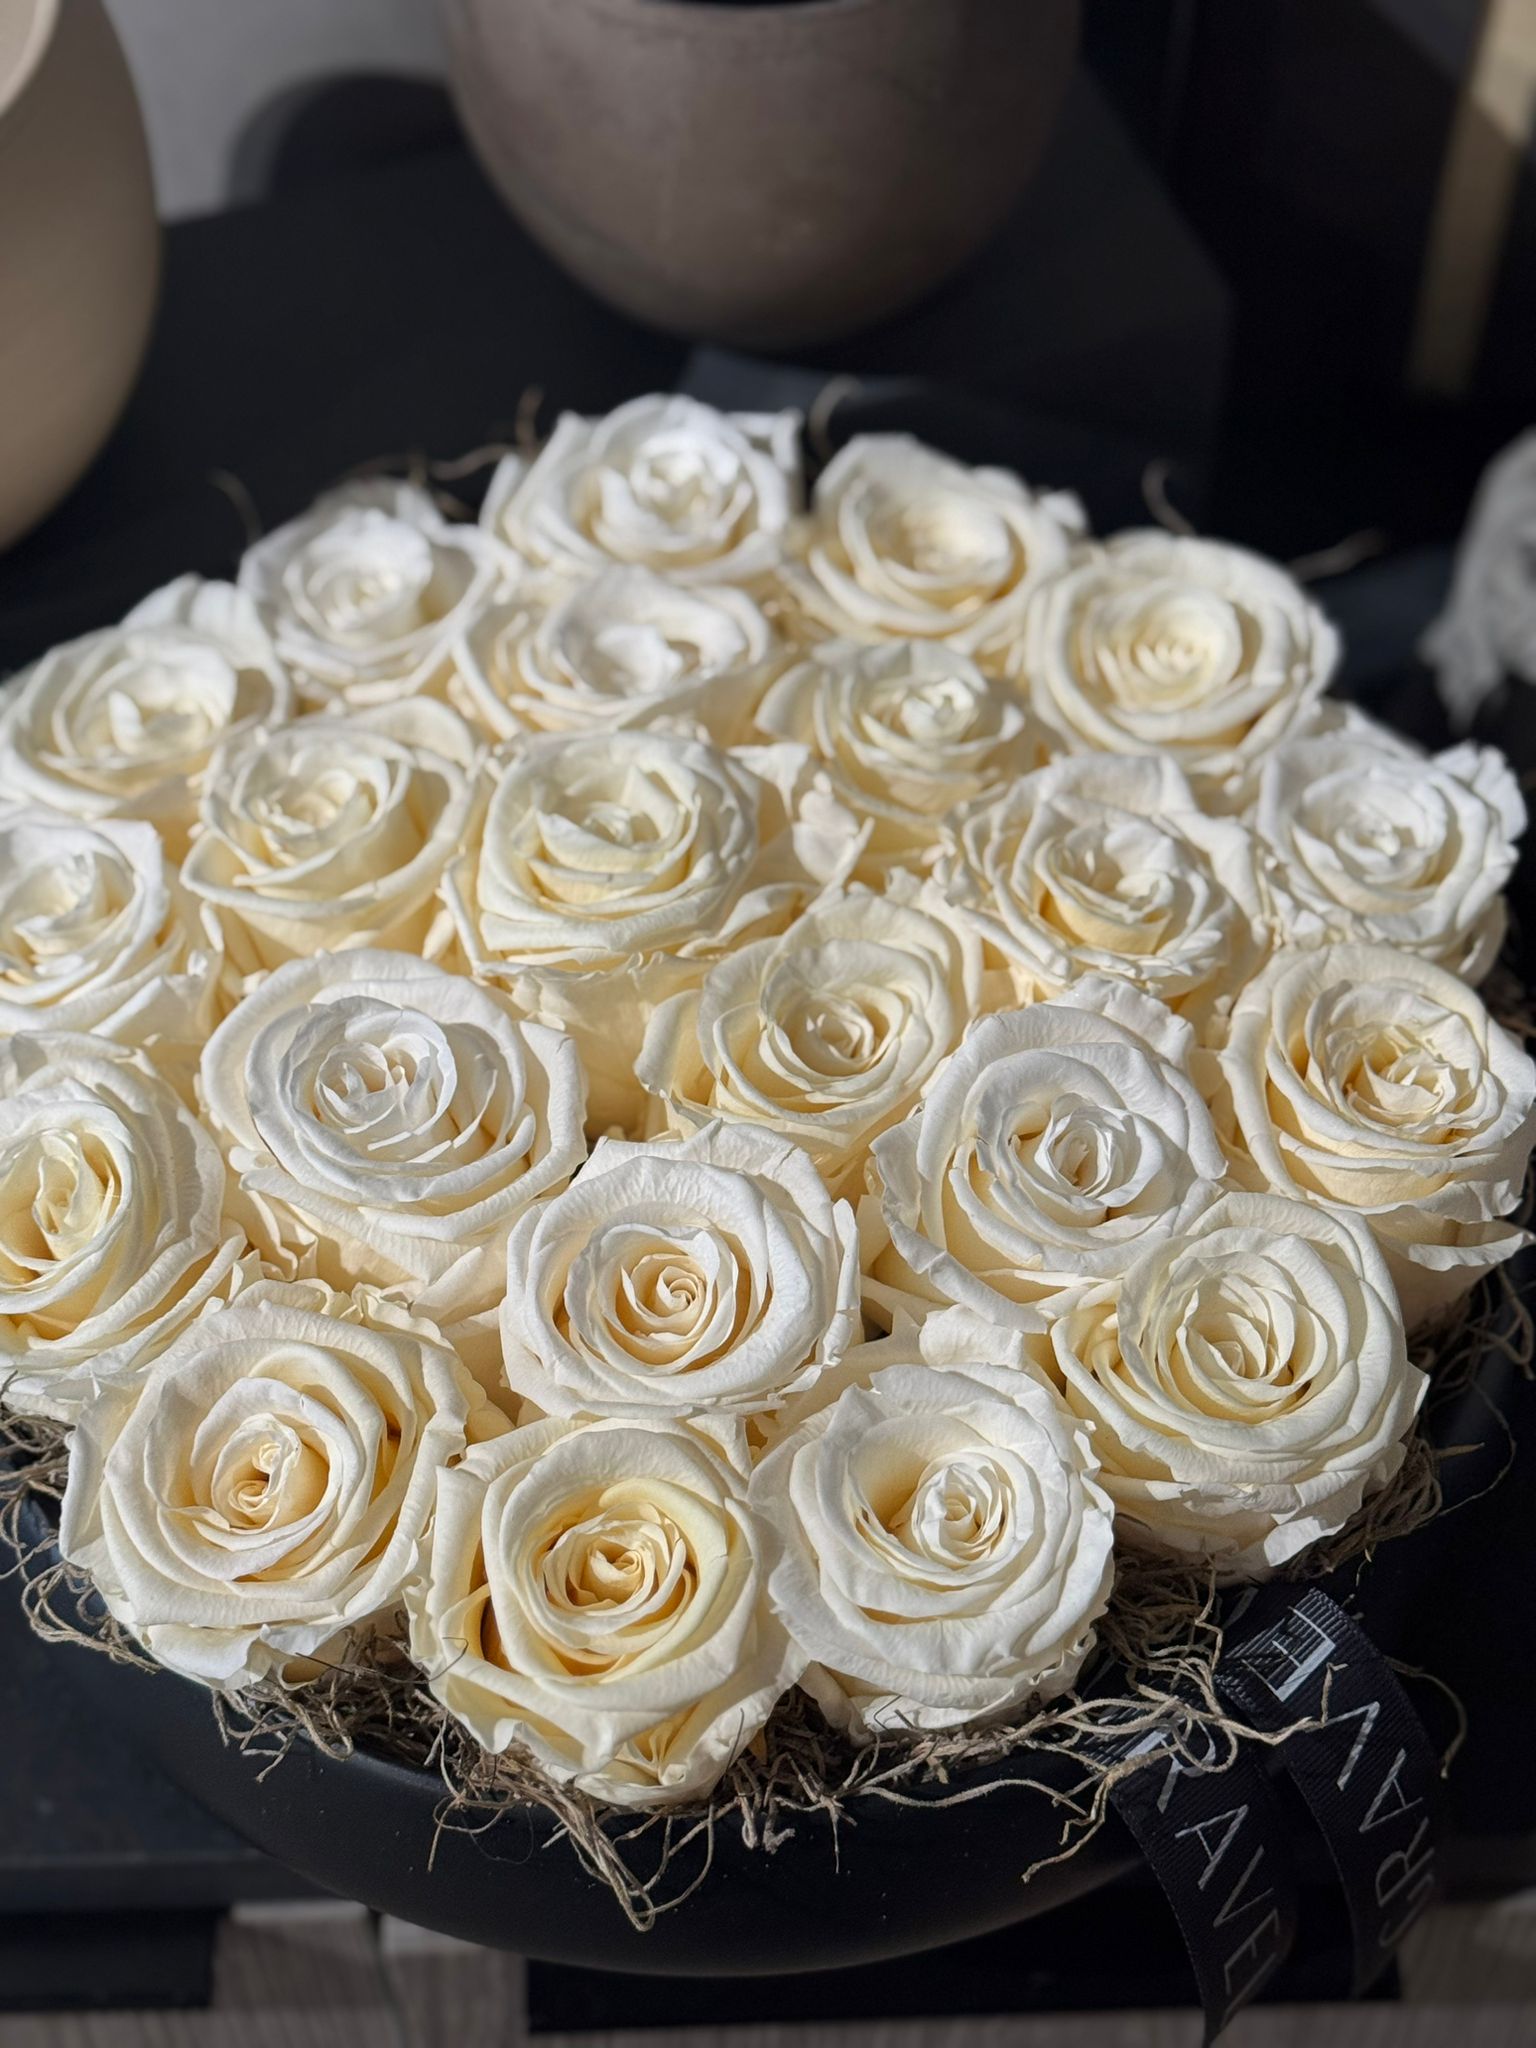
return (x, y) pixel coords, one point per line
(326, 1977)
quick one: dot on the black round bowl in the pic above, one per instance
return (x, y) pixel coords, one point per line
(890, 1880)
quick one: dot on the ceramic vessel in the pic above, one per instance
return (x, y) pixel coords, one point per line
(79, 247)
(770, 176)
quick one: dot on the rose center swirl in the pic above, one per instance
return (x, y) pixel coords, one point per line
(58, 1192)
(52, 916)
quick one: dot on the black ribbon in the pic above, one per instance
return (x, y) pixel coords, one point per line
(1218, 1839)
(1213, 1833)
(1368, 1774)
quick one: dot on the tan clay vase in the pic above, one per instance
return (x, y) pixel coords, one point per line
(79, 247)
(766, 175)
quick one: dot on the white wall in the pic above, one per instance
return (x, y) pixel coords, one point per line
(203, 67)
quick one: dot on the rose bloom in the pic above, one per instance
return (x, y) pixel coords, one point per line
(1367, 1078)
(266, 1489)
(112, 1232)
(613, 866)
(1103, 864)
(97, 934)
(366, 592)
(1487, 632)
(121, 723)
(388, 1122)
(628, 648)
(1052, 1149)
(335, 832)
(708, 1275)
(826, 1033)
(943, 1547)
(1157, 644)
(904, 544)
(596, 1596)
(1363, 838)
(908, 731)
(662, 483)
(1247, 1384)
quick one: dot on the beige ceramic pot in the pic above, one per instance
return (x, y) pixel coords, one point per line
(79, 247)
(770, 175)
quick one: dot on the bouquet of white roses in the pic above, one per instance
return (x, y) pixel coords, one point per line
(696, 1090)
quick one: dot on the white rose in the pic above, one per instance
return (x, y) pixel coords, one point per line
(97, 934)
(1487, 631)
(390, 1122)
(120, 723)
(1367, 1078)
(613, 866)
(627, 649)
(1363, 838)
(662, 483)
(1052, 1149)
(825, 1034)
(366, 592)
(596, 1595)
(1248, 1386)
(943, 1547)
(1157, 644)
(112, 1232)
(267, 1487)
(1103, 863)
(335, 832)
(709, 1275)
(907, 731)
(904, 544)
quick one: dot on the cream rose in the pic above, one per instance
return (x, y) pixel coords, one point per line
(1105, 864)
(112, 1231)
(904, 544)
(825, 1034)
(1363, 838)
(97, 934)
(943, 1548)
(367, 591)
(120, 723)
(628, 648)
(1157, 644)
(907, 731)
(1487, 631)
(1247, 1386)
(712, 1275)
(662, 483)
(612, 867)
(389, 1122)
(268, 1486)
(1367, 1078)
(1052, 1149)
(335, 832)
(596, 1595)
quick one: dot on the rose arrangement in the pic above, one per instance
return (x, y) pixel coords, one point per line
(703, 1088)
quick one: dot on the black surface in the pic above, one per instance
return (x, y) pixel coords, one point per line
(1056, 1964)
(399, 309)
(96, 1961)
(90, 1825)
